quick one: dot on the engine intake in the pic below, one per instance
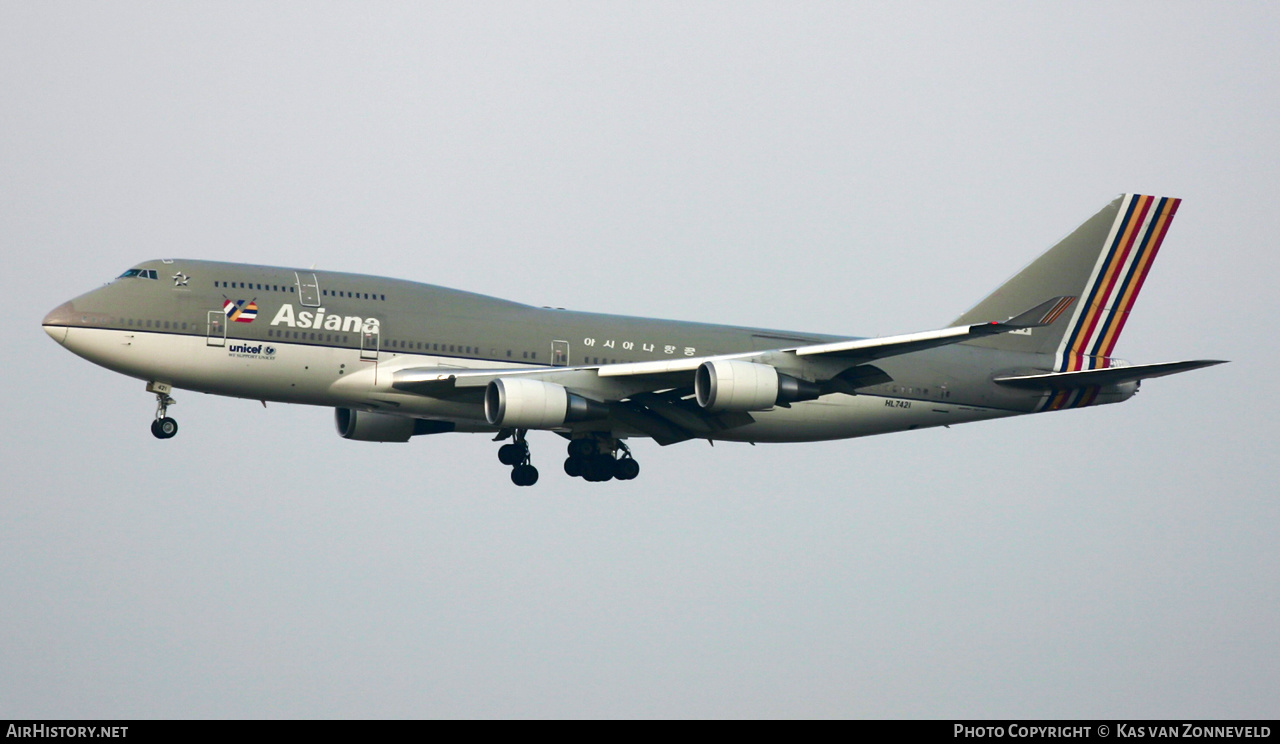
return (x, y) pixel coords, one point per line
(727, 385)
(534, 404)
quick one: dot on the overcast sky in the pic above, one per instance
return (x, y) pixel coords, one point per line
(850, 168)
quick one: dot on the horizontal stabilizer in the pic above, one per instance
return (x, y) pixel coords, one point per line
(1102, 377)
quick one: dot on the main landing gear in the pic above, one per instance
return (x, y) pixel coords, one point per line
(598, 458)
(593, 457)
(163, 427)
(516, 454)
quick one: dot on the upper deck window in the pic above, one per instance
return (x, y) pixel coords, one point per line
(140, 273)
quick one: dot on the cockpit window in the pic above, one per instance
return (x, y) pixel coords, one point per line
(140, 273)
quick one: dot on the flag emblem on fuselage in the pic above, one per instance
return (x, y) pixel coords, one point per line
(239, 311)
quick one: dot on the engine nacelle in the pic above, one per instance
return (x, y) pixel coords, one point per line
(534, 404)
(364, 426)
(728, 385)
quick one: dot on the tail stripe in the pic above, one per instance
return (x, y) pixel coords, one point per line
(1104, 281)
(1138, 274)
(1117, 278)
(1068, 358)
(1052, 316)
(1064, 399)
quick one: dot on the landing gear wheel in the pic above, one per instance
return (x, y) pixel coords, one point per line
(626, 469)
(164, 428)
(573, 467)
(582, 447)
(598, 468)
(513, 454)
(524, 475)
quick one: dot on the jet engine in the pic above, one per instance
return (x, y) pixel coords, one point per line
(727, 385)
(534, 404)
(364, 426)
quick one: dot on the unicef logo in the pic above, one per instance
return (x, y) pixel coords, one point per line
(247, 351)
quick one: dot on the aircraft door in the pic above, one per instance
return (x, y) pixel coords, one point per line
(216, 330)
(308, 289)
(369, 342)
(559, 353)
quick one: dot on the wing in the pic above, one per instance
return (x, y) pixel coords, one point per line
(657, 397)
(674, 373)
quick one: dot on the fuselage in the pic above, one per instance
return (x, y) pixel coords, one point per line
(336, 339)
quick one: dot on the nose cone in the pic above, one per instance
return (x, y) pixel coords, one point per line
(58, 320)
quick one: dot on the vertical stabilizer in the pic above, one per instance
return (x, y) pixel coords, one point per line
(1103, 264)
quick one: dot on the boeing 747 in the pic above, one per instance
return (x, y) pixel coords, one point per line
(398, 359)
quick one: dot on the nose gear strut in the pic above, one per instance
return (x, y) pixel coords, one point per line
(163, 427)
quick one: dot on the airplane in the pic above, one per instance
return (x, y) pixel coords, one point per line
(398, 359)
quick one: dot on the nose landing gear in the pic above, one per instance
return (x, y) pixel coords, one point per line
(163, 427)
